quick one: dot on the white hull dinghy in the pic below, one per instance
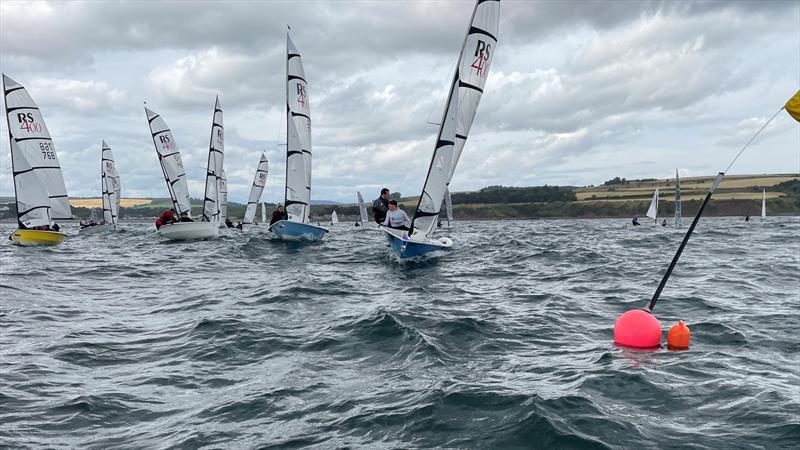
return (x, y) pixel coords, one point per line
(187, 231)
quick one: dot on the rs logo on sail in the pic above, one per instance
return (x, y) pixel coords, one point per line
(301, 95)
(482, 55)
(28, 123)
(220, 139)
(166, 142)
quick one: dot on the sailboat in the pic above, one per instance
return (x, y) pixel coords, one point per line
(678, 219)
(764, 206)
(334, 218)
(652, 211)
(172, 167)
(263, 212)
(465, 92)
(256, 189)
(110, 193)
(298, 155)
(448, 204)
(39, 189)
(362, 209)
(212, 198)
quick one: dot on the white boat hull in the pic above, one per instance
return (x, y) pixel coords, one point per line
(96, 229)
(187, 231)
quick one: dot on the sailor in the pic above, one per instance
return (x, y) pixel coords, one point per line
(747, 218)
(635, 220)
(358, 224)
(380, 206)
(228, 223)
(165, 218)
(55, 227)
(278, 215)
(84, 223)
(396, 218)
(664, 223)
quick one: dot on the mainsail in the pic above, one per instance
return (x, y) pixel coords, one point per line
(764, 206)
(652, 211)
(110, 186)
(255, 192)
(465, 93)
(171, 164)
(362, 208)
(222, 188)
(678, 218)
(216, 156)
(38, 183)
(298, 137)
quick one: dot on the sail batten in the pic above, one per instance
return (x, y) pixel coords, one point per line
(39, 187)
(212, 199)
(466, 89)
(259, 181)
(171, 163)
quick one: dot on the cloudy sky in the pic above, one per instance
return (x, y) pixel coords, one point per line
(579, 91)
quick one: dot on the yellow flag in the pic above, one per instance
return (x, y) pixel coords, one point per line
(793, 106)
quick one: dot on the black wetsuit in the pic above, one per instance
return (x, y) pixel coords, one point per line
(379, 209)
(278, 216)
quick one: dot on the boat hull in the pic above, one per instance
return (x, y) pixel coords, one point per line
(294, 231)
(31, 238)
(406, 248)
(96, 229)
(189, 231)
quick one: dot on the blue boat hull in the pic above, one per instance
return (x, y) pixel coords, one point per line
(408, 249)
(294, 231)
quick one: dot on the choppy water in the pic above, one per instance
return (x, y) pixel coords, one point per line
(125, 340)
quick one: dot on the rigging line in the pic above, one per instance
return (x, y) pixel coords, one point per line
(752, 139)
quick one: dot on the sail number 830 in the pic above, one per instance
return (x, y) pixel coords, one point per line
(48, 151)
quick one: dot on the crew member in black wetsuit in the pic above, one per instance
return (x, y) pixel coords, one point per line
(380, 206)
(278, 215)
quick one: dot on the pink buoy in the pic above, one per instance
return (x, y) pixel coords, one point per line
(637, 329)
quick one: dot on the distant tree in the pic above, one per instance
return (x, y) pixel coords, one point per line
(500, 194)
(615, 180)
(395, 196)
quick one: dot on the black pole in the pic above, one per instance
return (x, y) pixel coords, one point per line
(663, 283)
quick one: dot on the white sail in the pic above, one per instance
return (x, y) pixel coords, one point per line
(171, 163)
(38, 182)
(448, 203)
(466, 89)
(764, 205)
(216, 158)
(110, 186)
(652, 211)
(473, 68)
(298, 137)
(678, 218)
(362, 208)
(222, 188)
(263, 212)
(334, 218)
(259, 181)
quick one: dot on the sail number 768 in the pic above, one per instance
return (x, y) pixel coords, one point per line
(48, 151)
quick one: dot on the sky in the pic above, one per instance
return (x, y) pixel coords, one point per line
(579, 92)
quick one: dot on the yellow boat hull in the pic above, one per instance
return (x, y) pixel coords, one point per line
(37, 237)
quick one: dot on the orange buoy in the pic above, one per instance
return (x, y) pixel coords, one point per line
(678, 337)
(637, 329)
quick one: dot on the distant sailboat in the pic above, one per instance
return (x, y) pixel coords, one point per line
(678, 218)
(362, 209)
(334, 218)
(174, 175)
(652, 211)
(464, 94)
(448, 203)
(764, 205)
(298, 155)
(212, 199)
(41, 195)
(223, 200)
(259, 181)
(110, 193)
(263, 212)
